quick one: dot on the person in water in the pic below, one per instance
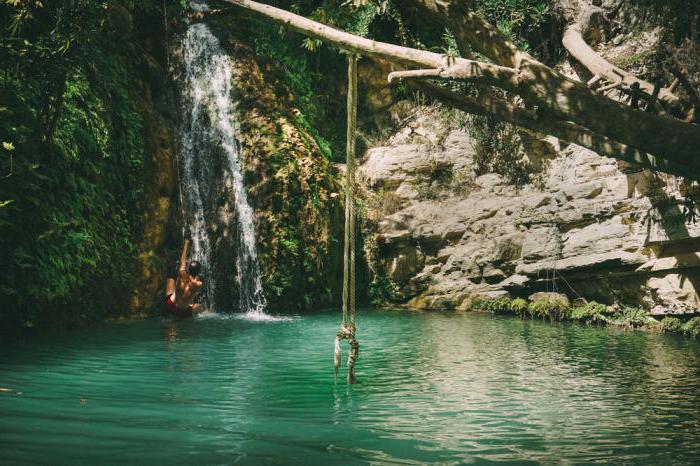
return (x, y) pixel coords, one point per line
(180, 292)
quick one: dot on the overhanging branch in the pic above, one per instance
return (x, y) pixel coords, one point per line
(536, 83)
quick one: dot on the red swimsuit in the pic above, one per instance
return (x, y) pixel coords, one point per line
(175, 311)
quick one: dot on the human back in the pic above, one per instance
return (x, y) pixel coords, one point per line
(188, 285)
(180, 293)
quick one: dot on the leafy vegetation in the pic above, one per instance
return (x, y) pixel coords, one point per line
(692, 327)
(517, 306)
(382, 290)
(591, 312)
(551, 308)
(311, 69)
(71, 159)
(526, 22)
(671, 325)
(632, 317)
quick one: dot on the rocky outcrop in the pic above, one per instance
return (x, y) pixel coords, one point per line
(590, 229)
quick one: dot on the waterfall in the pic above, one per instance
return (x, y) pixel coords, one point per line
(208, 139)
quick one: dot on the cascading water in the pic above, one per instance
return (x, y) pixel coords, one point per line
(208, 140)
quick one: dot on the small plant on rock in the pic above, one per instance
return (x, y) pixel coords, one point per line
(519, 307)
(692, 327)
(552, 309)
(633, 317)
(494, 306)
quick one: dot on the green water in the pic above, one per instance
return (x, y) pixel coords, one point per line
(435, 388)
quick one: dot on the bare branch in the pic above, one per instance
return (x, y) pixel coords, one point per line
(575, 44)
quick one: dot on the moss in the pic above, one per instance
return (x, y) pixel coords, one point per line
(292, 186)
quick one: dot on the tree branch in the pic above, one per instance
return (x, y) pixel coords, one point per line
(547, 124)
(575, 44)
(536, 83)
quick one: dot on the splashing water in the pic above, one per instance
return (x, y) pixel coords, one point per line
(208, 128)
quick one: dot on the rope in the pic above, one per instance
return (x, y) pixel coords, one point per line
(177, 158)
(179, 188)
(347, 324)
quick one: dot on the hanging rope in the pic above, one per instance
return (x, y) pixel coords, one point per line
(347, 324)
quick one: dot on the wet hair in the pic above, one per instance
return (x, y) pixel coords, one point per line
(194, 268)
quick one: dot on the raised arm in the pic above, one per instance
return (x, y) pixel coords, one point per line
(182, 270)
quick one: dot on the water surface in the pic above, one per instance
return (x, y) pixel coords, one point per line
(434, 388)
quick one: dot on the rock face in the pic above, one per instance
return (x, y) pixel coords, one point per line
(588, 229)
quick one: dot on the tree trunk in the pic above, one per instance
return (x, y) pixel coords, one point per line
(580, 15)
(536, 83)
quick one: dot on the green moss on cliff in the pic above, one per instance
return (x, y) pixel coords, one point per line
(68, 109)
(292, 185)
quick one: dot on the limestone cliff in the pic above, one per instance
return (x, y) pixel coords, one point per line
(442, 232)
(588, 230)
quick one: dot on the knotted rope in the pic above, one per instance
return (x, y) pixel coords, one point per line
(347, 325)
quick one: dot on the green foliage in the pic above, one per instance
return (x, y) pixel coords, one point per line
(632, 317)
(678, 17)
(692, 327)
(69, 122)
(517, 306)
(591, 312)
(521, 21)
(314, 72)
(552, 309)
(382, 290)
(671, 325)
(499, 149)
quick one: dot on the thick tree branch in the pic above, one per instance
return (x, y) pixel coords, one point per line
(575, 44)
(543, 123)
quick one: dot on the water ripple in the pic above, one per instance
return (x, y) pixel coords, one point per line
(434, 389)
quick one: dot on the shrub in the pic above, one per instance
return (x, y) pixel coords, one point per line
(505, 306)
(495, 306)
(382, 290)
(518, 306)
(671, 325)
(591, 312)
(633, 317)
(553, 309)
(692, 327)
